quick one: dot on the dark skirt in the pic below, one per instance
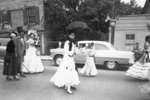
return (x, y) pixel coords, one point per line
(10, 65)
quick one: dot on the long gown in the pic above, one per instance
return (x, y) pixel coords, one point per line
(89, 68)
(140, 69)
(145, 88)
(32, 63)
(66, 73)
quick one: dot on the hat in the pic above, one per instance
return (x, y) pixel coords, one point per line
(11, 33)
(32, 32)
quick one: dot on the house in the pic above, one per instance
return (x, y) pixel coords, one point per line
(23, 13)
(132, 29)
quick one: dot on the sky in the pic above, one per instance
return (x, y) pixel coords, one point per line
(139, 2)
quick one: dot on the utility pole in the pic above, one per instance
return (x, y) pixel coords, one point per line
(113, 9)
(112, 24)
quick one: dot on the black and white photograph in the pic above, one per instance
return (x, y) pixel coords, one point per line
(75, 49)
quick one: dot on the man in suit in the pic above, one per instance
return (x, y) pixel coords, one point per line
(20, 50)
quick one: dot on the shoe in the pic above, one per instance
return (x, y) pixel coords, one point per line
(73, 88)
(9, 78)
(16, 78)
(69, 92)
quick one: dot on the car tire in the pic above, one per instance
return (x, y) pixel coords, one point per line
(111, 65)
(58, 59)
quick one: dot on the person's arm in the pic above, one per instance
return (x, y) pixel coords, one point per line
(74, 49)
(16, 46)
(66, 47)
(8, 47)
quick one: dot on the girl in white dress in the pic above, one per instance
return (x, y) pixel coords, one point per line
(141, 68)
(32, 63)
(89, 68)
(146, 87)
(66, 75)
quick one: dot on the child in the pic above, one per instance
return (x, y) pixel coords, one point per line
(89, 68)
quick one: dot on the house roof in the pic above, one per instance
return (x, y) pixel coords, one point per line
(133, 22)
(147, 4)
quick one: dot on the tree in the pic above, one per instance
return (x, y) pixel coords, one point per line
(129, 8)
(59, 13)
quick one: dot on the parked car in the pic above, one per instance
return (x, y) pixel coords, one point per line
(3, 43)
(105, 54)
(2, 51)
(4, 38)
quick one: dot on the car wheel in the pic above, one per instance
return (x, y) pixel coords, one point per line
(111, 65)
(58, 59)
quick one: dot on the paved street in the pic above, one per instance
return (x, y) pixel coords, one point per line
(107, 85)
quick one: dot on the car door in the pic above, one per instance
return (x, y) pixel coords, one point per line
(81, 53)
(102, 53)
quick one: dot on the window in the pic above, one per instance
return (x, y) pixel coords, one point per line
(84, 45)
(31, 15)
(81, 45)
(5, 17)
(101, 47)
(130, 36)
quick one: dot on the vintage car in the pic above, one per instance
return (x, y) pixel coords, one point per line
(4, 38)
(105, 54)
(2, 51)
(3, 43)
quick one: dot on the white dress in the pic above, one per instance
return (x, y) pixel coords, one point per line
(89, 67)
(66, 73)
(140, 69)
(32, 63)
(145, 88)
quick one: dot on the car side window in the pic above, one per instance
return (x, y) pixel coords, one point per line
(81, 46)
(101, 47)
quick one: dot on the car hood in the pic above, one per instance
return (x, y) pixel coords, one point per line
(3, 47)
(57, 50)
(124, 52)
(115, 53)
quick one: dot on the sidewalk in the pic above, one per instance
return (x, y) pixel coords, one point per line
(43, 58)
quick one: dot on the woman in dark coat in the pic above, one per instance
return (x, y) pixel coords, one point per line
(10, 67)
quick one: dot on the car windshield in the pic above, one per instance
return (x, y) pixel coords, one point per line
(97, 46)
(101, 47)
(104, 47)
(84, 45)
